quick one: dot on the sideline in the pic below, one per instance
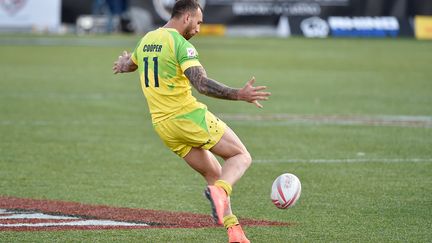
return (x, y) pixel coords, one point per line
(358, 160)
(283, 119)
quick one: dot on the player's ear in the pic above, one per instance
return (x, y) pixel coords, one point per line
(186, 18)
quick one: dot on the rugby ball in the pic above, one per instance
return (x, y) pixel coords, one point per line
(286, 190)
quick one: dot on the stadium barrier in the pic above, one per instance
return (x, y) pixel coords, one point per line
(30, 16)
(423, 27)
(282, 18)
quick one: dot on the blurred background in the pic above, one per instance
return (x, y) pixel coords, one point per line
(282, 18)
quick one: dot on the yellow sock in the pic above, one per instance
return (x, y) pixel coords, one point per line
(224, 185)
(230, 221)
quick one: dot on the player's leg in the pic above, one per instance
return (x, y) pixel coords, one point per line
(205, 163)
(237, 161)
(237, 158)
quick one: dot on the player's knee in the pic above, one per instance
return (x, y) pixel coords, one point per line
(247, 158)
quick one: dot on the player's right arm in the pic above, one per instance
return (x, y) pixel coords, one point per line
(124, 64)
(198, 78)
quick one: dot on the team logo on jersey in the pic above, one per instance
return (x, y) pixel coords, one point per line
(12, 6)
(191, 52)
(164, 7)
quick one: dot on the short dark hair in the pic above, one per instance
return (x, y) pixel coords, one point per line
(183, 6)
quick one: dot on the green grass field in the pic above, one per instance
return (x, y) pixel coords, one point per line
(72, 131)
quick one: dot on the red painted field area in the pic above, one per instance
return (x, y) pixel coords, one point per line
(21, 214)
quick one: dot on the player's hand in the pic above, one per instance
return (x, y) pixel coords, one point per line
(120, 65)
(252, 94)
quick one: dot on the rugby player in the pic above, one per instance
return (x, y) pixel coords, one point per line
(168, 65)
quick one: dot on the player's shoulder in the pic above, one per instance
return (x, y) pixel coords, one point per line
(177, 38)
(154, 34)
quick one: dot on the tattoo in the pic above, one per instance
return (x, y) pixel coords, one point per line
(198, 78)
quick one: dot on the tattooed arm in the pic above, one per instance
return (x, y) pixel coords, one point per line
(198, 78)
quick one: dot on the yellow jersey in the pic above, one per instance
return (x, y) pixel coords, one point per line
(162, 57)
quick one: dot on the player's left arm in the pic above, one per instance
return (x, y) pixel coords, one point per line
(198, 78)
(124, 64)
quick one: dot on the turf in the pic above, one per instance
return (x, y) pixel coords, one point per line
(72, 131)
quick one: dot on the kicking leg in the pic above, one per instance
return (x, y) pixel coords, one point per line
(237, 158)
(237, 161)
(205, 163)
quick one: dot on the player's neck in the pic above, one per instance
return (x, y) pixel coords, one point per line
(174, 24)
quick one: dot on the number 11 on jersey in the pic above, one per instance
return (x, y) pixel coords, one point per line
(155, 71)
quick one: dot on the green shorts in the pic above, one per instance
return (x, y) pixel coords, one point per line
(198, 128)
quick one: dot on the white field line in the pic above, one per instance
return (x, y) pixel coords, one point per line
(10, 214)
(270, 120)
(75, 223)
(287, 119)
(353, 160)
(35, 216)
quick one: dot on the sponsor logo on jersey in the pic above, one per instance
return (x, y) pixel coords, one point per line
(191, 52)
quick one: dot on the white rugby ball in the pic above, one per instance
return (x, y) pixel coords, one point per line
(286, 190)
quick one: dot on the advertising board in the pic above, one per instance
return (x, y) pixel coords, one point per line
(30, 15)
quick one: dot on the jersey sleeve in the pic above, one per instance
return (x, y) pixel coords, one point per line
(134, 56)
(187, 56)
